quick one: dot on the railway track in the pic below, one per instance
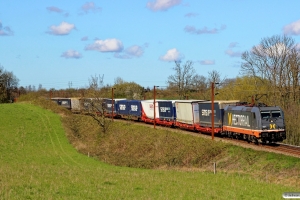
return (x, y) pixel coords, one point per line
(280, 148)
(287, 149)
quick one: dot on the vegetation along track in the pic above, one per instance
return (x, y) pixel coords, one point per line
(287, 149)
(281, 148)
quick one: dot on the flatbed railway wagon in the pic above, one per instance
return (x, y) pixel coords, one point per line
(164, 112)
(263, 124)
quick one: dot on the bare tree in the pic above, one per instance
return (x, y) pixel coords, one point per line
(119, 80)
(276, 60)
(214, 76)
(183, 78)
(276, 63)
(201, 87)
(96, 82)
(95, 106)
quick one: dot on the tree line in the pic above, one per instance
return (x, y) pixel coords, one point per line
(269, 72)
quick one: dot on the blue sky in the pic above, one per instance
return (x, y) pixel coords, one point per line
(55, 43)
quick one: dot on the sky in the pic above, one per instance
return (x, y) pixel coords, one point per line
(62, 44)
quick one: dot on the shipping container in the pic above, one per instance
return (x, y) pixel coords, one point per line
(164, 112)
(187, 113)
(205, 115)
(72, 104)
(90, 105)
(130, 109)
(109, 104)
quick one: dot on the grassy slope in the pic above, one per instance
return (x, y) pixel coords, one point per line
(38, 162)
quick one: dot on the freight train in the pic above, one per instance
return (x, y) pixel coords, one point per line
(234, 119)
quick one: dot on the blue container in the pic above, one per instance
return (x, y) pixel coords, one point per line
(135, 108)
(108, 105)
(205, 112)
(122, 107)
(129, 109)
(166, 110)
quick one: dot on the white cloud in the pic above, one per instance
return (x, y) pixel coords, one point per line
(108, 45)
(207, 62)
(71, 54)
(292, 29)
(57, 10)
(191, 14)
(122, 56)
(63, 29)
(233, 53)
(204, 30)
(162, 4)
(233, 44)
(54, 9)
(5, 31)
(85, 38)
(90, 6)
(172, 55)
(135, 50)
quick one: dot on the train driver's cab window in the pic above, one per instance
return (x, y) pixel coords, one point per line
(265, 114)
(276, 113)
(270, 114)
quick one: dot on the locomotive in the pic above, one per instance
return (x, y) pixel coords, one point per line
(253, 123)
(262, 123)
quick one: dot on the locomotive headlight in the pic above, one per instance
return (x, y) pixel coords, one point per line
(264, 127)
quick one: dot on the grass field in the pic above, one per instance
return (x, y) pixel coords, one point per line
(38, 162)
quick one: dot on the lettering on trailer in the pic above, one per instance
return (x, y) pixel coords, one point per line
(206, 112)
(238, 120)
(134, 108)
(64, 102)
(122, 107)
(109, 105)
(151, 106)
(165, 109)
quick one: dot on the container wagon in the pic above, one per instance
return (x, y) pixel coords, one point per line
(187, 114)
(163, 109)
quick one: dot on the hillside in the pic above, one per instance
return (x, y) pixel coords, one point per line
(38, 162)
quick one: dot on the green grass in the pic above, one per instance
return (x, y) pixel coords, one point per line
(37, 161)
